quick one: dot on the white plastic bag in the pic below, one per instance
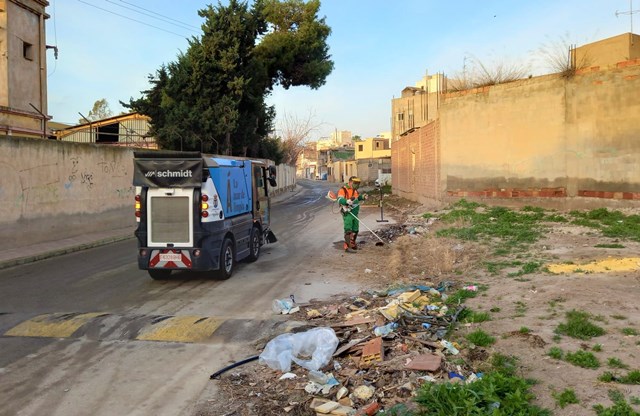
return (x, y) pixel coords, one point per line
(317, 343)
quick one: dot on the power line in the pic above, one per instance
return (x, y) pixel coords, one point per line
(158, 14)
(129, 18)
(162, 18)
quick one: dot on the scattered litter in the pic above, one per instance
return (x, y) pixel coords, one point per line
(319, 343)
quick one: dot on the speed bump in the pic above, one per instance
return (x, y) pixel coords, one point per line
(181, 329)
(58, 325)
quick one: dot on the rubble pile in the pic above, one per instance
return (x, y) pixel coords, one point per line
(386, 345)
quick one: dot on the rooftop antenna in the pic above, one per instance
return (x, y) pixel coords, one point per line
(631, 12)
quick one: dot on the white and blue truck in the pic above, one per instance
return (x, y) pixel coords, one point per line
(200, 212)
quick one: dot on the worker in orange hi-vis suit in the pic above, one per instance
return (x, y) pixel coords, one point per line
(349, 201)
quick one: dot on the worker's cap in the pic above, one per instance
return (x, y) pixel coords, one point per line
(354, 179)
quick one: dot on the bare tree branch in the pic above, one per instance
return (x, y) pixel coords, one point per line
(293, 132)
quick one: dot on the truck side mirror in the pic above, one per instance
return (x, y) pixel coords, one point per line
(272, 176)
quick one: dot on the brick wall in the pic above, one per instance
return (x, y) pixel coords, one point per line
(415, 163)
(546, 137)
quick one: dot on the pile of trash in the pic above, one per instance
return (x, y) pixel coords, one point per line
(366, 353)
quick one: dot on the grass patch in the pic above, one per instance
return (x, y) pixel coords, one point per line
(508, 229)
(469, 316)
(620, 406)
(629, 331)
(632, 377)
(597, 348)
(612, 245)
(616, 363)
(527, 268)
(521, 308)
(612, 224)
(480, 338)
(584, 359)
(500, 392)
(556, 352)
(579, 325)
(565, 398)
(619, 317)
(460, 296)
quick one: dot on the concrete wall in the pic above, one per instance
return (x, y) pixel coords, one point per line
(52, 190)
(545, 137)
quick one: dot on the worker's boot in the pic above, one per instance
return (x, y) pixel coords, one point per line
(353, 243)
(347, 240)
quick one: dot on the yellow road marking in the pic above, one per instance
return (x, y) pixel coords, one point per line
(601, 266)
(51, 325)
(181, 329)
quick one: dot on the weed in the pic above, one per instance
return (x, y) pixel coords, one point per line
(556, 352)
(508, 229)
(555, 218)
(565, 398)
(584, 359)
(619, 317)
(579, 326)
(597, 348)
(524, 330)
(616, 363)
(607, 377)
(499, 392)
(620, 406)
(480, 338)
(612, 245)
(634, 400)
(474, 317)
(556, 338)
(460, 297)
(629, 331)
(633, 377)
(527, 268)
(521, 308)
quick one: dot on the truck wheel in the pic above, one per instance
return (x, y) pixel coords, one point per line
(159, 274)
(227, 259)
(254, 244)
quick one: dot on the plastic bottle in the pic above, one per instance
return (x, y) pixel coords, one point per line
(381, 331)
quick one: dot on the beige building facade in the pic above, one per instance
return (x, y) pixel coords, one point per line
(417, 106)
(23, 68)
(608, 51)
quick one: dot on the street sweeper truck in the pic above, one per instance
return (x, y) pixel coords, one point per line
(200, 212)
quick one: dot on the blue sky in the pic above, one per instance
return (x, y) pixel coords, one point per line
(107, 49)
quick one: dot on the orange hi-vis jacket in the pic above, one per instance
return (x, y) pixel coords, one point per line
(346, 193)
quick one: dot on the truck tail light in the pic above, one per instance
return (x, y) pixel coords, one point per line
(204, 205)
(138, 207)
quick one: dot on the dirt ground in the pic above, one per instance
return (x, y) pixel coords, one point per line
(525, 311)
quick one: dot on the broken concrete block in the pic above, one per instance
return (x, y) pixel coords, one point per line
(327, 407)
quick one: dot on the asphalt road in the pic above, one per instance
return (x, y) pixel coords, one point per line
(88, 333)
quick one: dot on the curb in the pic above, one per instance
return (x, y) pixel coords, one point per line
(61, 251)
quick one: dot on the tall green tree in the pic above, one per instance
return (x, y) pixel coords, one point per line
(213, 97)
